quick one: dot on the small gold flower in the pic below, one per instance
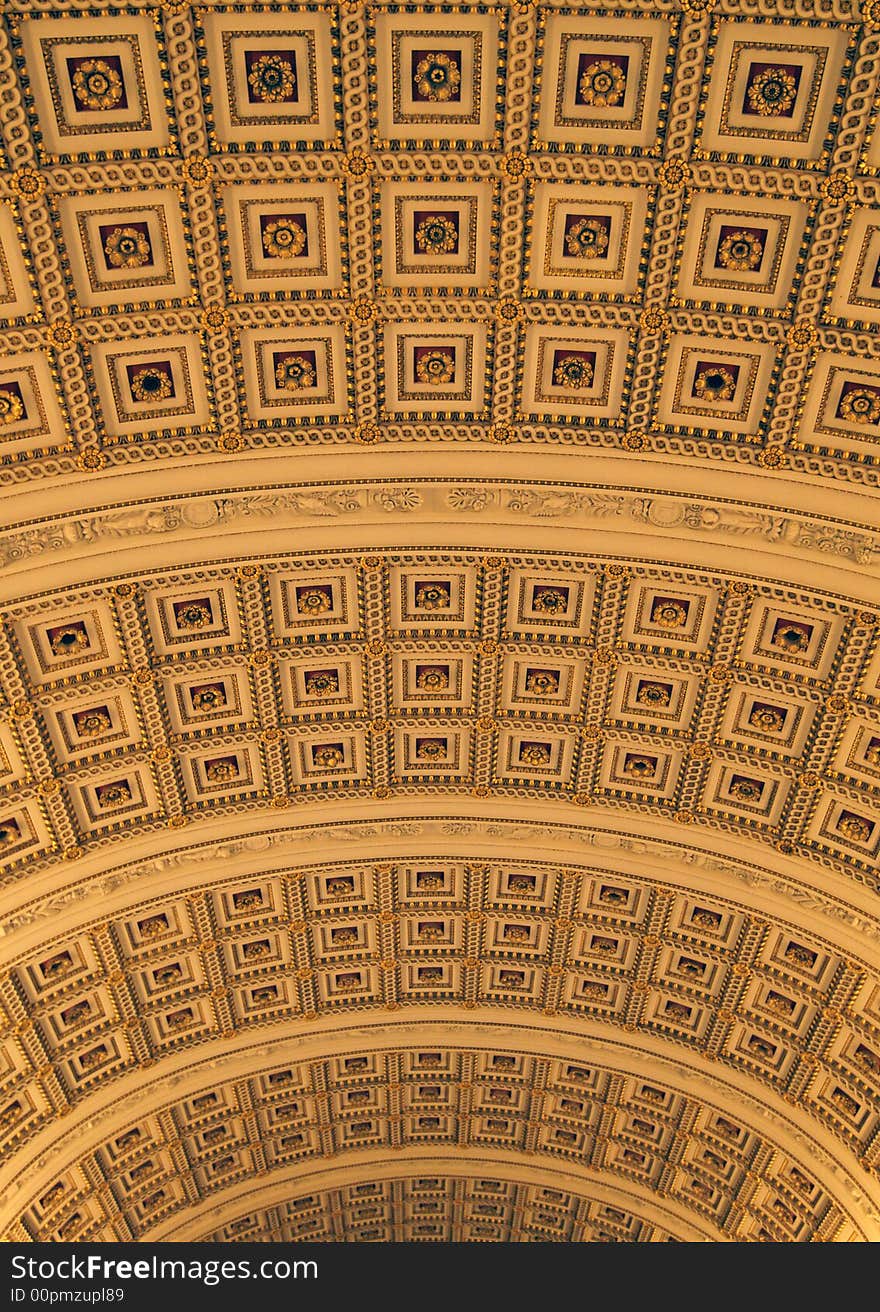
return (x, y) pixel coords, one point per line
(509, 311)
(368, 433)
(772, 457)
(214, 319)
(634, 441)
(802, 334)
(501, 432)
(673, 174)
(27, 183)
(197, 171)
(363, 310)
(97, 85)
(90, 459)
(271, 79)
(357, 164)
(516, 164)
(654, 320)
(837, 188)
(126, 248)
(437, 77)
(230, 442)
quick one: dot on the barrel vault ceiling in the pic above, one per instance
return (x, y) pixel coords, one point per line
(439, 661)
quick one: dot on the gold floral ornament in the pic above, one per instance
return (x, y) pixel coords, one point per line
(573, 372)
(695, 7)
(283, 239)
(715, 384)
(11, 407)
(294, 374)
(230, 442)
(357, 164)
(587, 239)
(363, 310)
(436, 367)
(654, 320)
(92, 724)
(837, 704)
(436, 235)
(516, 164)
(860, 406)
(90, 459)
(272, 79)
(509, 311)
(602, 84)
(501, 432)
(127, 248)
(27, 183)
(215, 319)
(771, 92)
(437, 77)
(673, 174)
(197, 171)
(61, 334)
(870, 14)
(315, 601)
(634, 441)
(854, 827)
(837, 188)
(741, 251)
(151, 384)
(368, 433)
(97, 85)
(802, 334)
(809, 779)
(433, 679)
(773, 457)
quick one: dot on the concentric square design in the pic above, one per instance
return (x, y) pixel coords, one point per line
(436, 75)
(308, 603)
(602, 80)
(136, 252)
(100, 722)
(667, 615)
(440, 677)
(116, 796)
(740, 252)
(440, 372)
(634, 769)
(648, 695)
(97, 92)
(791, 637)
(432, 750)
(855, 292)
(272, 77)
(751, 794)
(223, 772)
(303, 376)
(148, 389)
(316, 686)
(843, 402)
(587, 240)
(776, 723)
(30, 416)
(567, 375)
(194, 616)
(558, 603)
(542, 685)
(772, 89)
(437, 234)
(16, 293)
(216, 697)
(59, 645)
(714, 385)
(284, 240)
(534, 754)
(332, 755)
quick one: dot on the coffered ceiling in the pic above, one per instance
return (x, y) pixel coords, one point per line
(439, 740)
